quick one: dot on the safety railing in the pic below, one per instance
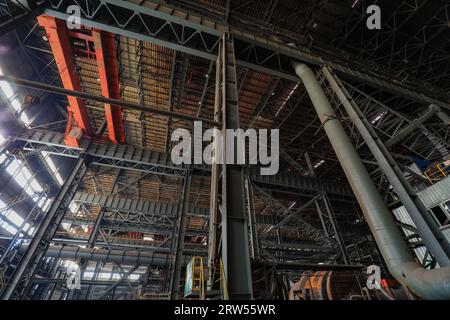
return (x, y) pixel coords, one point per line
(438, 171)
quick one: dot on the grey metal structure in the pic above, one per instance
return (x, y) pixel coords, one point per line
(431, 284)
(207, 34)
(428, 229)
(179, 235)
(26, 269)
(235, 253)
(140, 217)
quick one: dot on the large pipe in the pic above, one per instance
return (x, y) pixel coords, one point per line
(428, 284)
(88, 96)
(428, 229)
(118, 256)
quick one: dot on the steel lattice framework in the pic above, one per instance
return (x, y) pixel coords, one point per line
(164, 56)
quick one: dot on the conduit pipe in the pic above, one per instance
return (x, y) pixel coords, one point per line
(118, 256)
(427, 284)
(432, 236)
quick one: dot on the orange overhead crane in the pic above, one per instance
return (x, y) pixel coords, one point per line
(108, 70)
(105, 56)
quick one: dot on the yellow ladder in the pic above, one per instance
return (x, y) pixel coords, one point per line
(438, 171)
(223, 282)
(198, 281)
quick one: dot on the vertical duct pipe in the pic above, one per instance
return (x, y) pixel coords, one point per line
(432, 237)
(428, 284)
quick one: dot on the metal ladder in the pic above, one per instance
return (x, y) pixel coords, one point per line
(197, 288)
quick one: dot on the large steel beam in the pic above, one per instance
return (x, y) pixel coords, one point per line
(431, 284)
(171, 27)
(101, 214)
(178, 239)
(32, 257)
(234, 228)
(117, 245)
(411, 127)
(123, 278)
(145, 160)
(108, 70)
(290, 214)
(139, 213)
(136, 206)
(105, 154)
(427, 227)
(148, 225)
(301, 184)
(327, 216)
(159, 23)
(213, 233)
(16, 13)
(252, 220)
(9, 253)
(388, 122)
(59, 40)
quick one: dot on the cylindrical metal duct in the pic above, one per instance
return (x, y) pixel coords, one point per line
(429, 284)
(119, 256)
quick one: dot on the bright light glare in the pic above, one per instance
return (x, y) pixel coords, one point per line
(318, 164)
(21, 174)
(287, 99)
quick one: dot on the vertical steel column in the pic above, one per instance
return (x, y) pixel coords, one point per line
(215, 177)
(101, 214)
(179, 239)
(328, 219)
(73, 294)
(26, 268)
(12, 248)
(411, 127)
(430, 284)
(93, 235)
(13, 17)
(140, 69)
(91, 289)
(254, 241)
(52, 286)
(235, 251)
(47, 288)
(331, 226)
(427, 227)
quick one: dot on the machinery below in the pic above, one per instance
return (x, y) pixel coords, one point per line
(273, 281)
(342, 285)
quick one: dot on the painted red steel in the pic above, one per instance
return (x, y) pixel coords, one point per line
(59, 40)
(108, 70)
